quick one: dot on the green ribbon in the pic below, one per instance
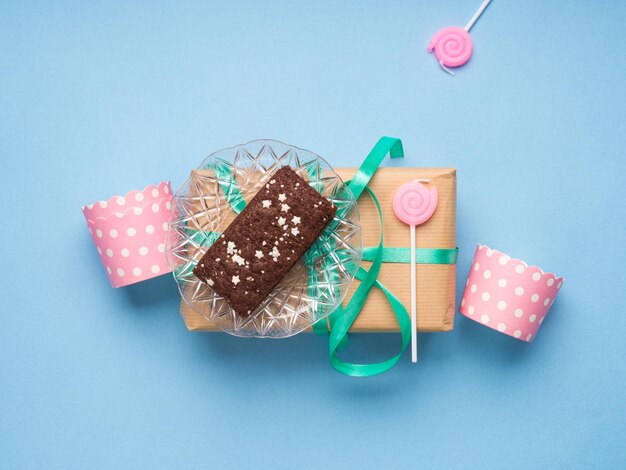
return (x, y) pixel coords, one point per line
(341, 319)
(229, 185)
(422, 255)
(367, 370)
(384, 146)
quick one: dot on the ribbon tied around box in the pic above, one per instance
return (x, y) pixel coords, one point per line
(341, 319)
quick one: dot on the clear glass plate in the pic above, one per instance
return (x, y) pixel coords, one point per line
(318, 282)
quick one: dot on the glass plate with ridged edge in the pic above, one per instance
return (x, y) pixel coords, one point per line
(209, 201)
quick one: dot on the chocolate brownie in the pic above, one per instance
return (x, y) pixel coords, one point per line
(265, 240)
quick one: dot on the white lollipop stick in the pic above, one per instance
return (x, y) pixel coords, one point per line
(413, 204)
(413, 298)
(479, 12)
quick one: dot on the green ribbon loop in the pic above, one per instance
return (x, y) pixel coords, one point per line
(342, 318)
(384, 146)
(368, 370)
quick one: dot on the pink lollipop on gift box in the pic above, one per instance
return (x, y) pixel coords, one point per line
(413, 204)
(453, 45)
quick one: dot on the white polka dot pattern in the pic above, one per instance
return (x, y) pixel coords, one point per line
(508, 295)
(129, 233)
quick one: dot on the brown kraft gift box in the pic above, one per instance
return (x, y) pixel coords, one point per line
(436, 283)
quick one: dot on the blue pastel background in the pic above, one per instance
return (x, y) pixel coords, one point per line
(100, 98)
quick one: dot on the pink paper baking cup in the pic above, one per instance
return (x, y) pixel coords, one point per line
(129, 233)
(507, 294)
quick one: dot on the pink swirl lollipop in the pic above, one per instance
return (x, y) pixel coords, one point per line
(453, 45)
(413, 204)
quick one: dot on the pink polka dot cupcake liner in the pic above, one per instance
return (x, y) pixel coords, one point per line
(129, 233)
(508, 295)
